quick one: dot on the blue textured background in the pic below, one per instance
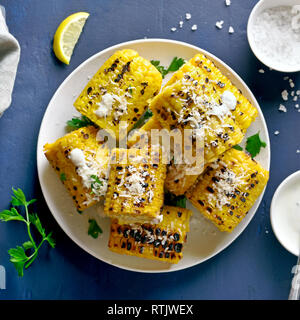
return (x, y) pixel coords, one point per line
(255, 266)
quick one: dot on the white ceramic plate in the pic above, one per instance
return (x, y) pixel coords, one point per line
(204, 239)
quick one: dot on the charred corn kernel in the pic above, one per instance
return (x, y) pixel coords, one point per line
(142, 137)
(135, 187)
(228, 188)
(119, 92)
(81, 162)
(163, 241)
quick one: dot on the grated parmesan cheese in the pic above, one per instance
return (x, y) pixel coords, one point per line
(86, 170)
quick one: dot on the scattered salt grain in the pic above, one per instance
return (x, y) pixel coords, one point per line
(292, 93)
(219, 24)
(227, 3)
(295, 98)
(276, 133)
(261, 71)
(298, 151)
(292, 85)
(173, 29)
(297, 106)
(285, 78)
(231, 30)
(282, 108)
(188, 16)
(298, 92)
(180, 24)
(194, 27)
(274, 37)
(285, 95)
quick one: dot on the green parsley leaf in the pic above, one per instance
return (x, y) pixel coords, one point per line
(96, 184)
(19, 198)
(35, 220)
(79, 122)
(237, 147)
(254, 144)
(94, 229)
(18, 255)
(28, 245)
(143, 119)
(63, 177)
(9, 215)
(176, 201)
(50, 240)
(174, 66)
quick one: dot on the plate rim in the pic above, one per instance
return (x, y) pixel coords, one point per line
(115, 47)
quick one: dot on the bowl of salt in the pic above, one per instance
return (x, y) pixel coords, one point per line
(274, 34)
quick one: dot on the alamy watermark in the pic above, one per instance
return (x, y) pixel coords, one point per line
(296, 279)
(184, 148)
(2, 278)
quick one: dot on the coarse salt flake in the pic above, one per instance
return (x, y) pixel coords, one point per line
(285, 95)
(274, 37)
(194, 27)
(261, 71)
(219, 24)
(227, 3)
(231, 30)
(282, 108)
(188, 16)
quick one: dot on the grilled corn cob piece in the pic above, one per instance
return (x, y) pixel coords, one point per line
(135, 186)
(228, 188)
(142, 137)
(244, 113)
(119, 91)
(163, 241)
(82, 164)
(193, 98)
(190, 103)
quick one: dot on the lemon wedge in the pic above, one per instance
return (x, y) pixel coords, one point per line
(67, 35)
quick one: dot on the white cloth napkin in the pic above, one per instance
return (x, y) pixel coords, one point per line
(9, 59)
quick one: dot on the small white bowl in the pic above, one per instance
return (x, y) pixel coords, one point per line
(259, 7)
(285, 213)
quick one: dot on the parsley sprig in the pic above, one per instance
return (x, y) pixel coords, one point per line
(94, 229)
(19, 256)
(174, 66)
(253, 145)
(176, 201)
(79, 122)
(143, 119)
(96, 184)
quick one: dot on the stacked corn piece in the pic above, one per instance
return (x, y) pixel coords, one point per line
(228, 188)
(244, 113)
(142, 137)
(118, 94)
(81, 161)
(199, 96)
(163, 241)
(135, 188)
